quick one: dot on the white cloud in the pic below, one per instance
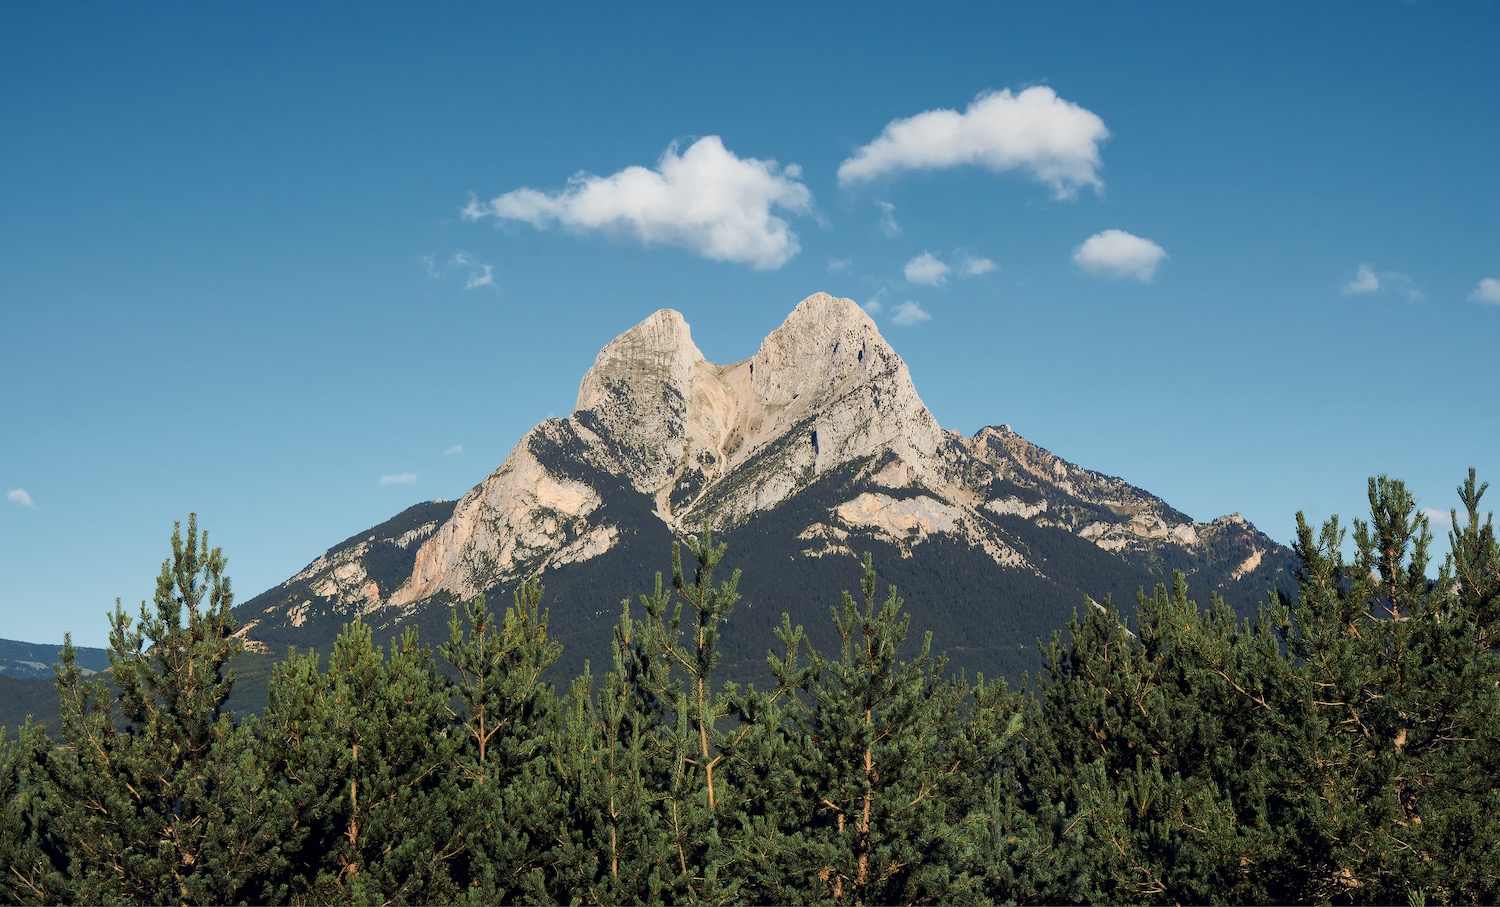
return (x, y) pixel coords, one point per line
(1367, 280)
(973, 267)
(1438, 519)
(400, 478)
(872, 307)
(455, 449)
(909, 313)
(485, 278)
(476, 273)
(1115, 253)
(706, 200)
(1364, 281)
(926, 269)
(1487, 291)
(836, 265)
(20, 496)
(1035, 131)
(888, 224)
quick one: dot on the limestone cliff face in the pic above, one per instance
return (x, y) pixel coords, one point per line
(519, 515)
(825, 389)
(636, 404)
(692, 440)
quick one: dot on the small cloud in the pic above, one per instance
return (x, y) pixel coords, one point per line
(1115, 253)
(837, 265)
(476, 274)
(973, 267)
(400, 478)
(888, 224)
(706, 200)
(1438, 519)
(872, 307)
(1053, 140)
(1487, 291)
(486, 278)
(1364, 281)
(1367, 280)
(909, 313)
(20, 496)
(455, 449)
(926, 269)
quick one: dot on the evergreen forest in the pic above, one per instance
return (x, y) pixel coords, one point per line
(1342, 747)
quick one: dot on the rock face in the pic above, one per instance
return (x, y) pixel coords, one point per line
(818, 444)
(703, 441)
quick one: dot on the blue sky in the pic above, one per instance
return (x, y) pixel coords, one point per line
(298, 266)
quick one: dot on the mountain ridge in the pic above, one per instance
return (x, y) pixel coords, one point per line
(824, 416)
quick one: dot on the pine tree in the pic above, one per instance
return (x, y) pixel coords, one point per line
(1147, 765)
(640, 759)
(1475, 564)
(869, 771)
(33, 858)
(693, 739)
(1463, 744)
(506, 792)
(363, 753)
(156, 802)
(1399, 709)
(613, 843)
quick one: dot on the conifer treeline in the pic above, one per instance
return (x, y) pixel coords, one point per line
(1342, 748)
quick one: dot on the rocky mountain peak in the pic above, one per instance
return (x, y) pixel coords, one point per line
(824, 419)
(657, 352)
(824, 388)
(635, 398)
(825, 346)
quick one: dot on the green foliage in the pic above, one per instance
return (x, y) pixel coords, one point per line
(1340, 748)
(30, 854)
(361, 754)
(638, 760)
(150, 797)
(506, 793)
(1142, 768)
(865, 774)
(1398, 707)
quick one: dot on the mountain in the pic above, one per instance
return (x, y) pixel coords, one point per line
(34, 661)
(802, 457)
(28, 683)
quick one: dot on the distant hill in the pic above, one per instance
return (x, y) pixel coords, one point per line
(29, 660)
(27, 681)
